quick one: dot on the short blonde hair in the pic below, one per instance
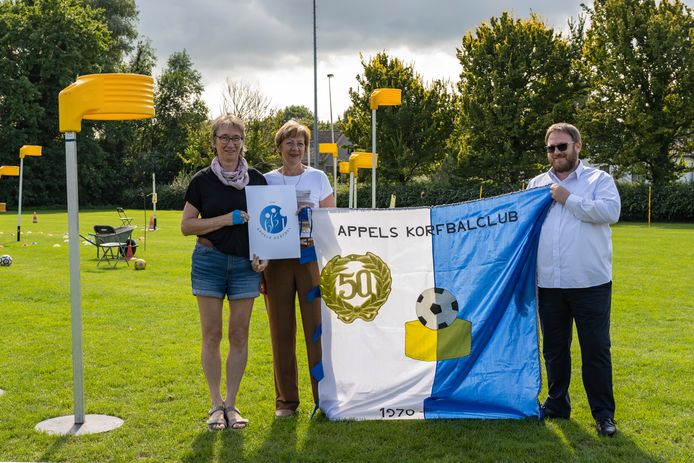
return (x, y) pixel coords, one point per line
(227, 120)
(292, 129)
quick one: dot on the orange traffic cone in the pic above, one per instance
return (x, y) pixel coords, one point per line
(129, 252)
(151, 222)
(35, 219)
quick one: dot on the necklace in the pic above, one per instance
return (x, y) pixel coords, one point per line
(284, 181)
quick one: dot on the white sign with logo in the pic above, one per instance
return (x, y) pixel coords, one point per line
(273, 226)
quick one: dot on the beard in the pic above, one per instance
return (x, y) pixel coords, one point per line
(565, 162)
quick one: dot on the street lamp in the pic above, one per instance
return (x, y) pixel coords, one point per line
(26, 150)
(106, 97)
(380, 97)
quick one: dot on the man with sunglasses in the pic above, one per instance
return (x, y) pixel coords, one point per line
(574, 276)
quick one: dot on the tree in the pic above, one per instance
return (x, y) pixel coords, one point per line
(129, 143)
(179, 114)
(142, 59)
(44, 46)
(518, 78)
(299, 113)
(245, 101)
(120, 17)
(640, 115)
(255, 110)
(410, 138)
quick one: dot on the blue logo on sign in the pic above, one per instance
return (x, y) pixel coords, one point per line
(271, 220)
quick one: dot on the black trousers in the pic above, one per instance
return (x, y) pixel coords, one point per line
(590, 308)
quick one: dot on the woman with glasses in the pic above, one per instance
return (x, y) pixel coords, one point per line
(288, 278)
(215, 210)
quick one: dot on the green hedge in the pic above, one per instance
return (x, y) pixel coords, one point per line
(169, 197)
(671, 203)
(420, 194)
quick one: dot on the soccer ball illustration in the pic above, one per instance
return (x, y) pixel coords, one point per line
(436, 308)
(139, 264)
(5, 261)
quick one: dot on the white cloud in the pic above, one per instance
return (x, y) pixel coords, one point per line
(269, 43)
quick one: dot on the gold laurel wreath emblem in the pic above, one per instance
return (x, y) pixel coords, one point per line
(345, 311)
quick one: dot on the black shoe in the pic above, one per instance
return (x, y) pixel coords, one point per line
(549, 413)
(606, 426)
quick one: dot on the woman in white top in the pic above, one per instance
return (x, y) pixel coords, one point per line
(287, 278)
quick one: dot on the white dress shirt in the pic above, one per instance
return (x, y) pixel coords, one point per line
(575, 249)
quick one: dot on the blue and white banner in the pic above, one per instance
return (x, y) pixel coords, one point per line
(430, 312)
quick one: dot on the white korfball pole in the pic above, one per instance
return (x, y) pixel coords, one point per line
(332, 135)
(356, 181)
(379, 97)
(19, 201)
(26, 150)
(335, 177)
(94, 97)
(154, 199)
(351, 189)
(75, 292)
(373, 159)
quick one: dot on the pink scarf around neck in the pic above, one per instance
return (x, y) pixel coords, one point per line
(237, 178)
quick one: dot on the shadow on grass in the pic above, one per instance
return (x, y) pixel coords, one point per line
(56, 445)
(280, 445)
(203, 447)
(281, 442)
(446, 440)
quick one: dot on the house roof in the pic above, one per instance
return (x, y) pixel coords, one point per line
(324, 136)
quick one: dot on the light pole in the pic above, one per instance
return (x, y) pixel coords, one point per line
(315, 90)
(380, 97)
(105, 97)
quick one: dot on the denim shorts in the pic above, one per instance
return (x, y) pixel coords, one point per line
(216, 274)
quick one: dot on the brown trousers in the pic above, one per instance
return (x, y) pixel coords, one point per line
(287, 279)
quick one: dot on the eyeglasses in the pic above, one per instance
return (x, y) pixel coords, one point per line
(225, 139)
(559, 146)
(290, 144)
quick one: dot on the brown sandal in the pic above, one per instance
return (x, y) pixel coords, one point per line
(217, 418)
(233, 422)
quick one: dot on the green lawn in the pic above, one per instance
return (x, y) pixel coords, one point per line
(141, 359)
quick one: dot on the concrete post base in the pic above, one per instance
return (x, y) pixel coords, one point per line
(64, 425)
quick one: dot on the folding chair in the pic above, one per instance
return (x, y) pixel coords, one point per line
(125, 220)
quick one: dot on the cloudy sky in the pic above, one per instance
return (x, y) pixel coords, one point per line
(269, 43)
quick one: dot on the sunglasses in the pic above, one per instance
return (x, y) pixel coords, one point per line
(559, 146)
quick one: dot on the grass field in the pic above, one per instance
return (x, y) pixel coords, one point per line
(141, 360)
